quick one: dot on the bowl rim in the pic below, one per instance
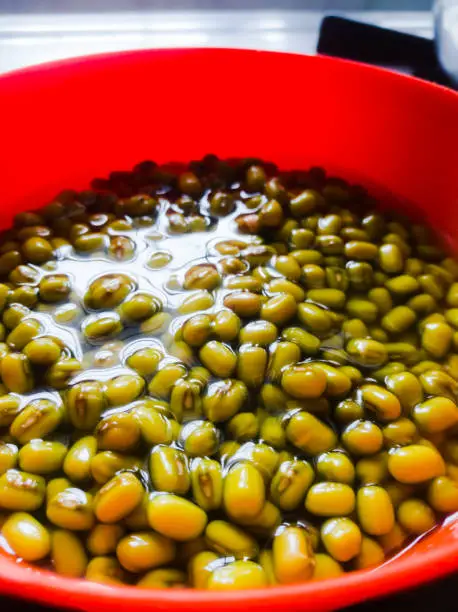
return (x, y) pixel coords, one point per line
(28, 582)
(23, 581)
(132, 54)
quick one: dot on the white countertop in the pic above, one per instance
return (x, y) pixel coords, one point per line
(32, 39)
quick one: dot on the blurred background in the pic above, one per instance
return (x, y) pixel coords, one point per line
(40, 6)
(35, 31)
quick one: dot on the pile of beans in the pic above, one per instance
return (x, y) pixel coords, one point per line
(223, 376)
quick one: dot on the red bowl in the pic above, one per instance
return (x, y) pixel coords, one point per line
(65, 123)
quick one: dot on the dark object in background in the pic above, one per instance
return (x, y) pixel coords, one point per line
(362, 42)
(440, 595)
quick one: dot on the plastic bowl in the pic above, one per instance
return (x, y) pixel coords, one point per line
(65, 123)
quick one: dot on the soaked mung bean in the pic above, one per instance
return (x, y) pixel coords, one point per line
(223, 376)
